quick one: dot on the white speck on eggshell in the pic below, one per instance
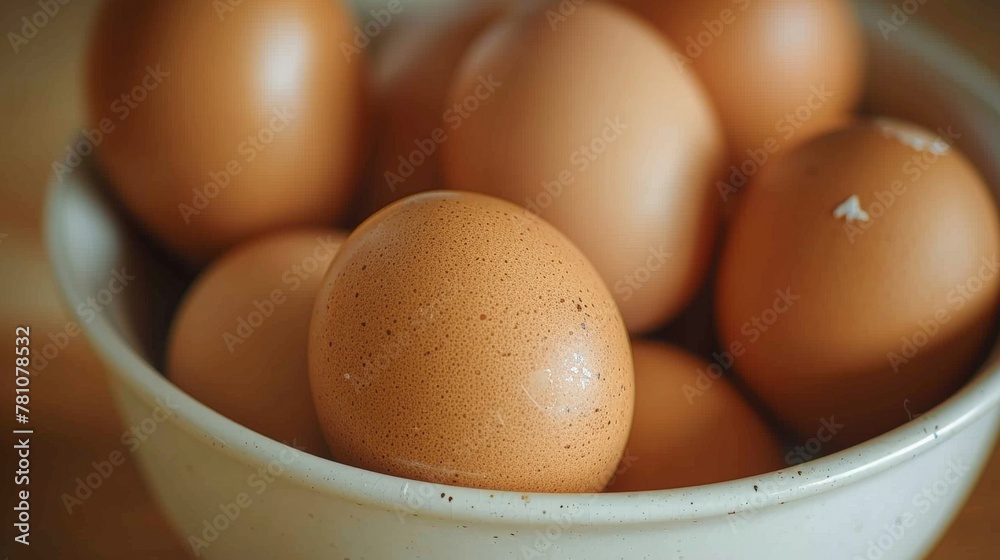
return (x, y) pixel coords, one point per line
(851, 211)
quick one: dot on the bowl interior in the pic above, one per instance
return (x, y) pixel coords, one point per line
(913, 74)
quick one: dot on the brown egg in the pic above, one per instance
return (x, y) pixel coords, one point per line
(411, 74)
(859, 278)
(459, 339)
(218, 121)
(779, 71)
(690, 426)
(587, 121)
(238, 342)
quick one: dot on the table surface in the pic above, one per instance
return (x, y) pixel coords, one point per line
(73, 415)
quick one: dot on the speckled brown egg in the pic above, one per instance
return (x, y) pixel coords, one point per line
(458, 339)
(238, 342)
(860, 278)
(585, 120)
(691, 426)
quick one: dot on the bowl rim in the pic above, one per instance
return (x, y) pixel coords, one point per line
(980, 396)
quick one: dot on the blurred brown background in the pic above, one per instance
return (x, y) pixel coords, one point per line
(72, 413)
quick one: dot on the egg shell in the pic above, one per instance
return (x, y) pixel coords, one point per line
(238, 343)
(860, 277)
(215, 122)
(779, 71)
(587, 121)
(458, 339)
(684, 434)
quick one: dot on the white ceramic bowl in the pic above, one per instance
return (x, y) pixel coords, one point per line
(890, 498)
